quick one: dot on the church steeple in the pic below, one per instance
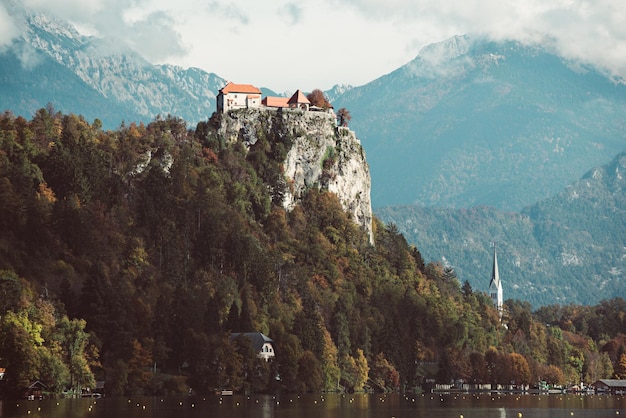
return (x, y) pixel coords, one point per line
(495, 285)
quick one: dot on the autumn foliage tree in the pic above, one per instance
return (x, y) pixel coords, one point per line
(620, 367)
(318, 98)
(383, 374)
(344, 117)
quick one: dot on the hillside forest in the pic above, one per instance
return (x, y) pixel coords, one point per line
(129, 256)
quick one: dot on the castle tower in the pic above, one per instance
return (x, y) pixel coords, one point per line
(495, 285)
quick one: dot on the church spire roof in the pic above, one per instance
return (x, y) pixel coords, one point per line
(495, 275)
(495, 285)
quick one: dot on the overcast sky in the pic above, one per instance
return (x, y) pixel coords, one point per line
(291, 44)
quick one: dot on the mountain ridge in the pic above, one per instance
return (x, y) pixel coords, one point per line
(503, 125)
(553, 251)
(126, 83)
(468, 123)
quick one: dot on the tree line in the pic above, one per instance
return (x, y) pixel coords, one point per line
(129, 256)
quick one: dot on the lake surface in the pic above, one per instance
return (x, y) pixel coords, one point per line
(324, 406)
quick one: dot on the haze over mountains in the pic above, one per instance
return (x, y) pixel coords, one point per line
(469, 123)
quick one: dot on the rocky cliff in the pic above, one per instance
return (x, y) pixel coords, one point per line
(321, 155)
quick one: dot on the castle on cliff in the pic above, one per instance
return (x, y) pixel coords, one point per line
(322, 154)
(245, 96)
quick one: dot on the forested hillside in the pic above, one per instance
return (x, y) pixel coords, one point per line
(130, 256)
(553, 251)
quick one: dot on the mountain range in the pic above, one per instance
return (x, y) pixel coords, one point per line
(566, 249)
(473, 122)
(462, 143)
(53, 63)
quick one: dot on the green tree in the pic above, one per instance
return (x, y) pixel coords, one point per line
(288, 361)
(597, 366)
(20, 347)
(310, 376)
(255, 370)
(73, 340)
(54, 373)
(214, 362)
(12, 291)
(362, 370)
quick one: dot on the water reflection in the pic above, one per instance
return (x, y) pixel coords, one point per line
(267, 404)
(324, 406)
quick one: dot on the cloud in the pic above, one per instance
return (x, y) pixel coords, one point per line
(11, 27)
(229, 11)
(136, 24)
(356, 40)
(8, 28)
(293, 11)
(28, 56)
(154, 37)
(594, 32)
(75, 10)
(444, 59)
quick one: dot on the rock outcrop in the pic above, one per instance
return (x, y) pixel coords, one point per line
(322, 155)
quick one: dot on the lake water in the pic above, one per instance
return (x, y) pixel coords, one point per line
(324, 406)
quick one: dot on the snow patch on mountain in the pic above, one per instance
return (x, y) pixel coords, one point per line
(118, 73)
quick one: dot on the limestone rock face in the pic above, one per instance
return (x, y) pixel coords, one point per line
(322, 155)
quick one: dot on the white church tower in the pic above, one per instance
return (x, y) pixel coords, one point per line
(495, 286)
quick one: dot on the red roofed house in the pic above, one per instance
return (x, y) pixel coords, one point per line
(273, 101)
(299, 100)
(238, 96)
(244, 96)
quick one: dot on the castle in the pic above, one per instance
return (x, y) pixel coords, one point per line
(245, 96)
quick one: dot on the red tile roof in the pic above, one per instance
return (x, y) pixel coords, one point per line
(298, 97)
(272, 101)
(240, 88)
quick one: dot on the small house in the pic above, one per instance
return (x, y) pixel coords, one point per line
(35, 390)
(299, 101)
(610, 385)
(262, 344)
(238, 96)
